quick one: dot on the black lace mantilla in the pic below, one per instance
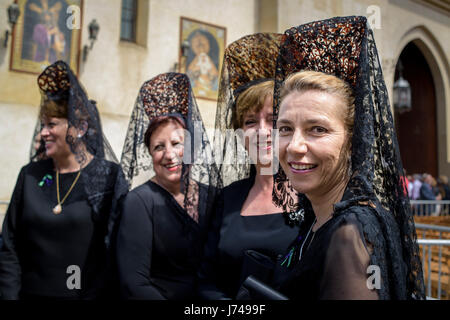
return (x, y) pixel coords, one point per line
(104, 182)
(247, 61)
(170, 94)
(345, 47)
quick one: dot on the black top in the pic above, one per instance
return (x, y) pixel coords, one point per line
(334, 263)
(158, 247)
(41, 250)
(231, 234)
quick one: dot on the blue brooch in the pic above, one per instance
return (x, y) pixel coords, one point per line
(47, 179)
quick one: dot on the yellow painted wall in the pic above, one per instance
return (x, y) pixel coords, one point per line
(115, 69)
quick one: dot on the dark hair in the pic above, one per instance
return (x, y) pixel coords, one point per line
(53, 108)
(156, 122)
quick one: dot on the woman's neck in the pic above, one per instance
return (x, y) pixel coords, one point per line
(263, 183)
(323, 204)
(66, 164)
(259, 198)
(172, 188)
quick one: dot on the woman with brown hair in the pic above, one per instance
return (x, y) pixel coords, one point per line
(166, 215)
(249, 232)
(61, 218)
(338, 149)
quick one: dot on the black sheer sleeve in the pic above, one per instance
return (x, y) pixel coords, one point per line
(345, 272)
(208, 272)
(10, 270)
(134, 249)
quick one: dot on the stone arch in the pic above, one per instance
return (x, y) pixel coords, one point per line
(439, 67)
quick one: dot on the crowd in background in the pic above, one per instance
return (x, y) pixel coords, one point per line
(426, 187)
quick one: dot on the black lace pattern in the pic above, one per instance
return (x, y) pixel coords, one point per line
(246, 61)
(171, 94)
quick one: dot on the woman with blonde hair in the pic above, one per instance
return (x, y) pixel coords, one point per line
(338, 149)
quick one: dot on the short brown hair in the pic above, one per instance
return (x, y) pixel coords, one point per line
(312, 80)
(252, 99)
(53, 109)
(155, 123)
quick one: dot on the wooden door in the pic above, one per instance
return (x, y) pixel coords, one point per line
(417, 129)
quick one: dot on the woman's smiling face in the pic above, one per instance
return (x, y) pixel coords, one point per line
(54, 132)
(312, 138)
(257, 127)
(166, 148)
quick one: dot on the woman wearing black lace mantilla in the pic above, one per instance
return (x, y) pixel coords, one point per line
(168, 161)
(338, 148)
(61, 218)
(246, 218)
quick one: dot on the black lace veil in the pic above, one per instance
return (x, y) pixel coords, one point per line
(58, 82)
(37, 147)
(247, 61)
(171, 94)
(345, 47)
(104, 184)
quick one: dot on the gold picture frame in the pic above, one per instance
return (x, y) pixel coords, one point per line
(41, 35)
(202, 62)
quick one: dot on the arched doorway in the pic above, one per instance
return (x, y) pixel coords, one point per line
(417, 129)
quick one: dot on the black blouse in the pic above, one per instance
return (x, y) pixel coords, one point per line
(334, 263)
(231, 235)
(159, 246)
(41, 250)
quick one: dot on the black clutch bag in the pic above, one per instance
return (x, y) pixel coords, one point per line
(257, 265)
(253, 289)
(257, 271)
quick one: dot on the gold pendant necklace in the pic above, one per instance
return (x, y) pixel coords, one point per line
(58, 208)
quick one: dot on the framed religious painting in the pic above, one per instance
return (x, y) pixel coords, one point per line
(46, 31)
(202, 60)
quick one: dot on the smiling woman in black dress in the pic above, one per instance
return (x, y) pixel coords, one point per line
(339, 150)
(246, 218)
(61, 217)
(165, 219)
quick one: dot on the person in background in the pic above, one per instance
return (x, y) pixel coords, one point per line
(410, 185)
(445, 191)
(416, 187)
(428, 188)
(435, 189)
(444, 187)
(430, 192)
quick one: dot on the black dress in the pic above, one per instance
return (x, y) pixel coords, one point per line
(41, 250)
(158, 247)
(335, 261)
(231, 235)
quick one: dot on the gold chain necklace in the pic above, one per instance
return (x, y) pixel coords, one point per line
(58, 208)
